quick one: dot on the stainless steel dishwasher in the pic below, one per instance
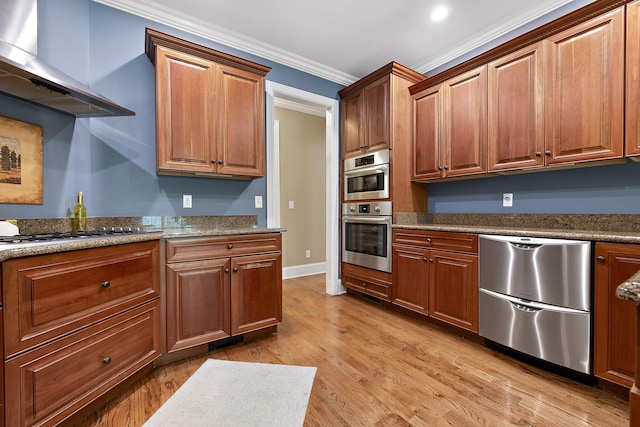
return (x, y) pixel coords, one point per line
(535, 297)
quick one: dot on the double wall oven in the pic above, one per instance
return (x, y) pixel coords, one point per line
(366, 215)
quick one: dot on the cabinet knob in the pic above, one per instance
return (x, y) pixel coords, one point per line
(364, 284)
(538, 154)
(229, 246)
(226, 270)
(600, 258)
(428, 239)
(105, 284)
(547, 153)
(235, 269)
(213, 161)
(219, 162)
(430, 259)
(446, 167)
(106, 360)
(424, 259)
(439, 168)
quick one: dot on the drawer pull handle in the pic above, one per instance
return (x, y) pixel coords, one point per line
(229, 246)
(235, 269)
(105, 284)
(106, 360)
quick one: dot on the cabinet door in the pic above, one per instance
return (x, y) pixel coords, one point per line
(516, 110)
(376, 103)
(241, 131)
(614, 319)
(410, 275)
(585, 91)
(465, 123)
(352, 132)
(197, 302)
(256, 292)
(185, 87)
(426, 112)
(632, 144)
(453, 289)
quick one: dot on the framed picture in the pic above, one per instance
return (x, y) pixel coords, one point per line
(20, 162)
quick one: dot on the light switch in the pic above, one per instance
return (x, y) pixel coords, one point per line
(187, 201)
(258, 202)
(291, 204)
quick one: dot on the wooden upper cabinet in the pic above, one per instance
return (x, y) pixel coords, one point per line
(450, 127)
(351, 132)
(209, 110)
(585, 91)
(632, 143)
(516, 110)
(425, 141)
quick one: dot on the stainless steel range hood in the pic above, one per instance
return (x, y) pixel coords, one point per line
(24, 76)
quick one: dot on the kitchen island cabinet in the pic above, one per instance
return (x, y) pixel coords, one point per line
(218, 287)
(449, 122)
(436, 273)
(77, 325)
(209, 110)
(615, 328)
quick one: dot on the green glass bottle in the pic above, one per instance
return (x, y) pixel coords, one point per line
(80, 215)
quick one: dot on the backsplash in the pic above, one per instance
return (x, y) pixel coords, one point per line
(591, 222)
(147, 223)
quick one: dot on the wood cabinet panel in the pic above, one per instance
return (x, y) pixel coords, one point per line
(585, 91)
(516, 110)
(376, 100)
(49, 295)
(615, 328)
(410, 269)
(198, 297)
(199, 248)
(256, 292)
(465, 126)
(51, 383)
(186, 123)
(351, 127)
(632, 141)
(453, 289)
(426, 151)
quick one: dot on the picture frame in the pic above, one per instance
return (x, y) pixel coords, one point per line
(21, 155)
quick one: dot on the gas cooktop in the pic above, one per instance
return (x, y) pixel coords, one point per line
(49, 237)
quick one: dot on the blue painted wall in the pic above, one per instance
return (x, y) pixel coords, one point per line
(603, 189)
(112, 160)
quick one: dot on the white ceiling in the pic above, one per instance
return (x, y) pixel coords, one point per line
(344, 40)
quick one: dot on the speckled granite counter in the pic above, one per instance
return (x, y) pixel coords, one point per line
(153, 228)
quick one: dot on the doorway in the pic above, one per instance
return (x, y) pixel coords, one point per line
(278, 93)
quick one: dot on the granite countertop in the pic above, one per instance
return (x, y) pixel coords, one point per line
(153, 228)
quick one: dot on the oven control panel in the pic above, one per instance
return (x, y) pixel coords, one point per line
(372, 208)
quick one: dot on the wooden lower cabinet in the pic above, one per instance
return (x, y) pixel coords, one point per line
(210, 297)
(367, 281)
(78, 323)
(440, 283)
(614, 319)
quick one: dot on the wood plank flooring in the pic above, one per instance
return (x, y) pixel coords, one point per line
(377, 367)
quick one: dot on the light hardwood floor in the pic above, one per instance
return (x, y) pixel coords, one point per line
(377, 367)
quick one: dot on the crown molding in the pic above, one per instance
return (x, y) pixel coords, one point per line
(167, 16)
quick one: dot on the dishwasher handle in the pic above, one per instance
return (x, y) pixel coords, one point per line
(529, 306)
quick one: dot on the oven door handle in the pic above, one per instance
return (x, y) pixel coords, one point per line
(366, 171)
(367, 219)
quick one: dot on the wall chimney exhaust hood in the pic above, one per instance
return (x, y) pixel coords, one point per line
(24, 76)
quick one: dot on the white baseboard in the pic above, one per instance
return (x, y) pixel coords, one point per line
(303, 270)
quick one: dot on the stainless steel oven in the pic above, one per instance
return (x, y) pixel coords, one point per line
(367, 177)
(366, 235)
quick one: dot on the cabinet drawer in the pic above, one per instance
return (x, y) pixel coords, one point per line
(371, 282)
(50, 383)
(50, 295)
(200, 248)
(443, 240)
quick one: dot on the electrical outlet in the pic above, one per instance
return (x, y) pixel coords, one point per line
(258, 202)
(187, 201)
(291, 204)
(308, 253)
(507, 200)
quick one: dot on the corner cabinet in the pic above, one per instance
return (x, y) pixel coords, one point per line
(218, 287)
(436, 274)
(209, 110)
(615, 328)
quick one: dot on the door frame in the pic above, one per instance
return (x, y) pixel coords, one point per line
(274, 92)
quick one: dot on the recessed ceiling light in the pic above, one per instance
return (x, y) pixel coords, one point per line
(439, 13)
